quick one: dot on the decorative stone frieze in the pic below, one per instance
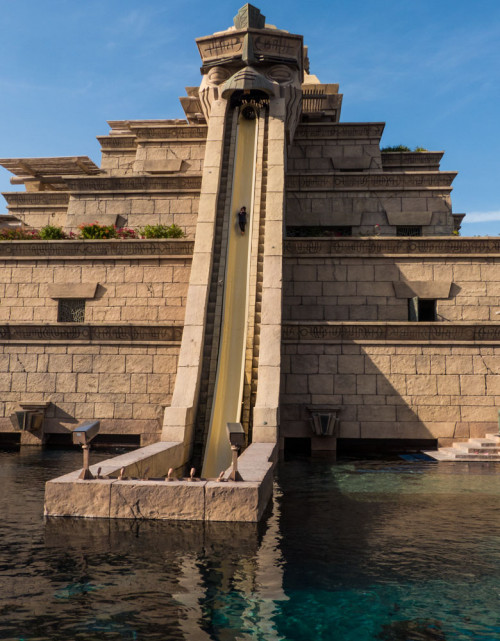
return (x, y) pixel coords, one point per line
(187, 132)
(339, 131)
(68, 332)
(339, 332)
(362, 181)
(381, 246)
(37, 200)
(94, 248)
(141, 184)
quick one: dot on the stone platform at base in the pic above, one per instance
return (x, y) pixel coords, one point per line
(182, 500)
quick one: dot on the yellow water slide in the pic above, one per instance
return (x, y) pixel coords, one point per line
(228, 393)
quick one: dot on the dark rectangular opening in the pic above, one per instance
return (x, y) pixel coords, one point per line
(408, 230)
(71, 310)
(296, 447)
(422, 310)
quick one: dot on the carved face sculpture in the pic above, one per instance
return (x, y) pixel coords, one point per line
(217, 75)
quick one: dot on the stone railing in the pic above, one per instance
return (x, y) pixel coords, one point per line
(339, 332)
(93, 248)
(383, 246)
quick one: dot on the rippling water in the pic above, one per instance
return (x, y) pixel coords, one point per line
(360, 551)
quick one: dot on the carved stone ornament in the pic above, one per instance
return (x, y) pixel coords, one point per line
(324, 419)
(249, 17)
(281, 74)
(217, 75)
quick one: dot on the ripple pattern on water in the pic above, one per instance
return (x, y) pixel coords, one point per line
(353, 551)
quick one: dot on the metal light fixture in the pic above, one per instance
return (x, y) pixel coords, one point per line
(325, 420)
(83, 435)
(236, 435)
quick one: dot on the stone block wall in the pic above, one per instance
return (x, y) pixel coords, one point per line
(191, 155)
(147, 290)
(358, 289)
(362, 212)
(351, 148)
(135, 210)
(126, 387)
(393, 391)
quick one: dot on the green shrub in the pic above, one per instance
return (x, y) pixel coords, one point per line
(402, 148)
(96, 231)
(19, 233)
(396, 148)
(161, 231)
(52, 232)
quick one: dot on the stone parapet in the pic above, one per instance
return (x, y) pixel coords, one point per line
(411, 160)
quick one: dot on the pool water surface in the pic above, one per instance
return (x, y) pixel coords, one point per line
(351, 551)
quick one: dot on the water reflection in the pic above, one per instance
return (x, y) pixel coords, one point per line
(96, 579)
(357, 551)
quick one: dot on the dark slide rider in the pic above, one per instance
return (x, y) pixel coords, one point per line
(242, 219)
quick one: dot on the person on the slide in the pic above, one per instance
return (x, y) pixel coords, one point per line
(242, 219)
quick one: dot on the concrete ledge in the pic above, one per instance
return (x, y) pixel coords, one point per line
(69, 496)
(232, 501)
(178, 500)
(172, 500)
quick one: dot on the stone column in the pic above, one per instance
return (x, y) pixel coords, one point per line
(178, 422)
(266, 415)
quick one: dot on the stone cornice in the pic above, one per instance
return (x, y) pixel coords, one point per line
(12, 249)
(411, 158)
(136, 184)
(36, 199)
(118, 143)
(339, 131)
(83, 332)
(382, 246)
(180, 132)
(415, 180)
(385, 332)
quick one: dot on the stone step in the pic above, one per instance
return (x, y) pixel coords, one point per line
(468, 449)
(483, 442)
(452, 454)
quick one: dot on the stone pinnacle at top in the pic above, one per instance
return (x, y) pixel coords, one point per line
(249, 17)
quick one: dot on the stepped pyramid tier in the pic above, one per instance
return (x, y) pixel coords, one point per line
(341, 311)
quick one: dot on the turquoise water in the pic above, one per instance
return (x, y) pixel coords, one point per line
(358, 550)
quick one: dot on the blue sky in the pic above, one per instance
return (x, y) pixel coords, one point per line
(430, 69)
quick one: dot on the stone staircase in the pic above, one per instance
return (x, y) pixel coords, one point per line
(475, 449)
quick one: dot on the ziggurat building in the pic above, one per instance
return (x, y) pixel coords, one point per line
(359, 314)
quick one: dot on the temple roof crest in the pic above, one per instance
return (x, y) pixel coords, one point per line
(249, 17)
